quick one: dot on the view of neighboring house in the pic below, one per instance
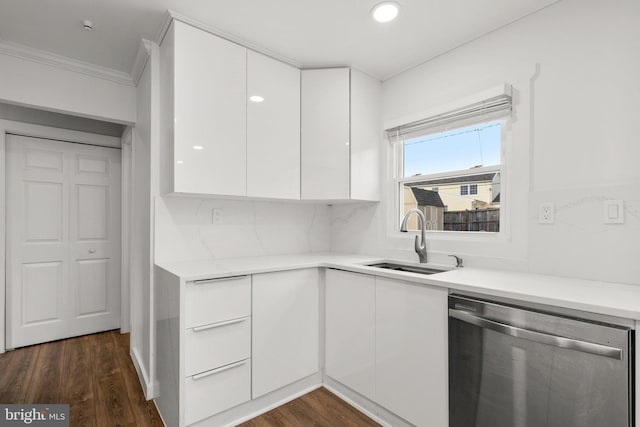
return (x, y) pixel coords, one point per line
(427, 201)
(440, 198)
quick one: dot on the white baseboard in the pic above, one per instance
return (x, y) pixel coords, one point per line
(159, 413)
(266, 403)
(366, 406)
(147, 388)
(262, 404)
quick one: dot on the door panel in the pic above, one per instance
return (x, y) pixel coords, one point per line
(63, 240)
(41, 284)
(93, 164)
(43, 208)
(93, 280)
(44, 159)
(92, 212)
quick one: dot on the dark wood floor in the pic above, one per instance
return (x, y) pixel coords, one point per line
(320, 408)
(93, 373)
(95, 376)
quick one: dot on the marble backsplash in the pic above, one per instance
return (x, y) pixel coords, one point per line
(188, 229)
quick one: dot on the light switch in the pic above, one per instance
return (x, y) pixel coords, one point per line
(613, 211)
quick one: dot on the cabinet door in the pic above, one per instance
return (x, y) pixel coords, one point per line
(350, 333)
(366, 136)
(325, 134)
(285, 339)
(273, 128)
(411, 351)
(210, 113)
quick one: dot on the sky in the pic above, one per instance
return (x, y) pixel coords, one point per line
(458, 149)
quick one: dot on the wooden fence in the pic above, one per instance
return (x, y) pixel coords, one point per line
(476, 220)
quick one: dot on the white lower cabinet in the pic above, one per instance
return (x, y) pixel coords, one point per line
(411, 351)
(218, 344)
(233, 346)
(213, 391)
(387, 340)
(285, 338)
(350, 330)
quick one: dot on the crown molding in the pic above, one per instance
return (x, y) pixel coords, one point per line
(141, 60)
(64, 62)
(173, 15)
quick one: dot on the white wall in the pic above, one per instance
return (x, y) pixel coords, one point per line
(144, 189)
(34, 84)
(186, 230)
(58, 120)
(576, 64)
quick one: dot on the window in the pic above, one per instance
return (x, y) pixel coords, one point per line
(453, 178)
(459, 153)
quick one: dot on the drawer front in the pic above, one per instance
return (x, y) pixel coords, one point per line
(217, 390)
(218, 300)
(218, 344)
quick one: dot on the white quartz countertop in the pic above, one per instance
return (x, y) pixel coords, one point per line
(607, 298)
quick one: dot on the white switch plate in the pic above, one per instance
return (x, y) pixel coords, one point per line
(613, 211)
(216, 215)
(546, 215)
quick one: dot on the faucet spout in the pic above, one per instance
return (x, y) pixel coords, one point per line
(420, 242)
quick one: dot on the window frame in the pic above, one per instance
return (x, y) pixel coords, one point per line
(397, 181)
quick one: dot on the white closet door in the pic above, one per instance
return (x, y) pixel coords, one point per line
(63, 240)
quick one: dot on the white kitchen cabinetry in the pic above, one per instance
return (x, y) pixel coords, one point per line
(273, 128)
(341, 135)
(204, 109)
(350, 330)
(203, 346)
(411, 351)
(285, 339)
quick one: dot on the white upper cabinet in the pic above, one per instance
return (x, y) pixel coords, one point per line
(273, 128)
(341, 135)
(411, 351)
(366, 136)
(325, 134)
(207, 146)
(312, 134)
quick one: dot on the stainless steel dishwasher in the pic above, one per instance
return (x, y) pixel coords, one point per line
(515, 366)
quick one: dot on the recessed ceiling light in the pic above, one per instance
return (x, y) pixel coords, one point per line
(256, 98)
(180, 162)
(385, 11)
(198, 147)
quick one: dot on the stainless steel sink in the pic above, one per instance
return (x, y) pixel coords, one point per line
(403, 267)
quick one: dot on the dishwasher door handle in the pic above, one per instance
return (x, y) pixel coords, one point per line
(539, 337)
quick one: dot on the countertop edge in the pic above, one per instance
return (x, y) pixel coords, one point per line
(447, 279)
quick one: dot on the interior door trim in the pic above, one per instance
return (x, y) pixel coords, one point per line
(28, 129)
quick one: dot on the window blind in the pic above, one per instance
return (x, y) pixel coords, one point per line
(482, 111)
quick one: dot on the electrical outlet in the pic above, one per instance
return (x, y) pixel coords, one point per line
(546, 214)
(216, 215)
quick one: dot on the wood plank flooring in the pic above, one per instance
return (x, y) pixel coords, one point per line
(96, 376)
(320, 408)
(93, 373)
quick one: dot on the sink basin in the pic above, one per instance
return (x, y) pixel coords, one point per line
(404, 267)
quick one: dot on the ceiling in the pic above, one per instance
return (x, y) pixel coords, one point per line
(309, 32)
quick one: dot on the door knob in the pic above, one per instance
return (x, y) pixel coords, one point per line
(91, 251)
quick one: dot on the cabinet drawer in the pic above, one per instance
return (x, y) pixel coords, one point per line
(214, 391)
(217, 300)
(218, 344)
